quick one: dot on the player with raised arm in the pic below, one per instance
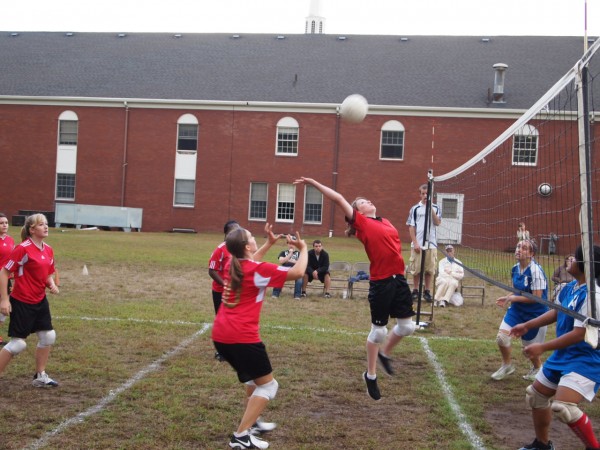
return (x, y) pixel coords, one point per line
(389, 294)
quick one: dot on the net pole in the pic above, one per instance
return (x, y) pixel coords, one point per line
(585, 214)
(425, 241)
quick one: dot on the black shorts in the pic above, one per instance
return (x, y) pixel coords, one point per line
(217, 296)
(250, 361)
(389, 298)
(26, 318)
(321, 276)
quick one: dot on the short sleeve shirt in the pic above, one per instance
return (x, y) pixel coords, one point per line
(7, 244)
(31, 268)
(240, 324)
(416, 218)
(219, 261)
(382, 244)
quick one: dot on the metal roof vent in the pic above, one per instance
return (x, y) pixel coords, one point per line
(341, 38)
(404, 39)
(235, 36)
(280, 37)
(177, 36)
(499, 74)
(14, 34)
(485, 40)
(121, 35)
(69, 34)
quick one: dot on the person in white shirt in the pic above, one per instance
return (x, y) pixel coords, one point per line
(449, 275)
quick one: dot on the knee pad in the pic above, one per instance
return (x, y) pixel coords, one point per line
(566, 412)
(267, 390)
(404, 327)
(46, 338)
(377, 334)
(16, 346)
(535, 400)
(503, 339)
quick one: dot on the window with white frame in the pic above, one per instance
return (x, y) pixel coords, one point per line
(186, 158)
(66, 156)
(187, 137)
(286, 196)
(525, 146)
(392, 141)
(65, 186)
(313, 205)
(287, 137)
(258, 201)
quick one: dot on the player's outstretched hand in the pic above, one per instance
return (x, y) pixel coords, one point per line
(271, 237)
(296, 241)
(303, 180)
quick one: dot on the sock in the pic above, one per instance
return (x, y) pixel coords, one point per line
(371, 377)
(242, 434)
(583, 429)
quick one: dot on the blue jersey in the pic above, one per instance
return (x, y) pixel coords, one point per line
(580, 358)
(531, 279)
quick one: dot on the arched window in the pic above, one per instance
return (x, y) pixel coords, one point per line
(287, 137)
(392, 141)
(525, 146)
(66, 155)
(185, 161)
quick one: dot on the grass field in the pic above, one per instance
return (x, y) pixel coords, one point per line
(136, 367)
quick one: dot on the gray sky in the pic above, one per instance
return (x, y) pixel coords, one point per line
(394, 17)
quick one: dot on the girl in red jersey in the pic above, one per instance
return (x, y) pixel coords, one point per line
(32, 263)
(389, 294)
(7, 244)
(235, 331)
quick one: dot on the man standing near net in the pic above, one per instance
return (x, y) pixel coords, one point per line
(416, 228)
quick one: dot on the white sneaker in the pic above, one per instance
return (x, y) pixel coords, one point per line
(503, 372)
(442, 303)
(262, 427)
(43, 380)
(247, 441)
(530, 376)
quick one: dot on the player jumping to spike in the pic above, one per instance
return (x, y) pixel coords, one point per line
(389, 294)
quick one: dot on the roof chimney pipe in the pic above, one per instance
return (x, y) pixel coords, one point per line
(499, 72)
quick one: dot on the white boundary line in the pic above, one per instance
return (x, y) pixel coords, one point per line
(464, 426)
(112, 395)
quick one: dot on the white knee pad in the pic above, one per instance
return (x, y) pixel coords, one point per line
(16, 346)
(404, 327)
(377, 334)
(267, 390)
(503, 339)
(46, 338)
(535, 400)
(566, 412)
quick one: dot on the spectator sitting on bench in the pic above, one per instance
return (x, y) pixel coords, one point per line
(318, 267)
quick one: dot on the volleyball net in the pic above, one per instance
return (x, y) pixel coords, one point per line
(542, 171)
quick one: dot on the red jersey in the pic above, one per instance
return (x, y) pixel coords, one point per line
(382, 244)
(219, 261)
(6, 247)
(31, 268)
(240, 324)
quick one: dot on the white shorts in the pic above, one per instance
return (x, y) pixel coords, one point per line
(572, 380)
(538, 339)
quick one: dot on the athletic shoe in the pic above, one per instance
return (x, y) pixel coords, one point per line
(427, 297)
(296, 298)
(537, 445)
(503, 372)
(43, 380)
(372, 388)
(260, 427)
(530, 376)
(303, 294)
(247, 441)
(218, 357)
(327, 295)
(386, 363)
(415, 295)
(442, 303)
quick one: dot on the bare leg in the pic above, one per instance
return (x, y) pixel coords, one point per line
(372, 350)
(5, 358)
(327, 282)
(393, 340)
(254, 405)
(41, 358)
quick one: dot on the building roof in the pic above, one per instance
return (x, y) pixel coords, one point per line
(430, 71)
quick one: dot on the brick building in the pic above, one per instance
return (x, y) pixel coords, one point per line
(196, 129)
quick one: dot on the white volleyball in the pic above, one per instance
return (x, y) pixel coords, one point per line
(354, 108)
